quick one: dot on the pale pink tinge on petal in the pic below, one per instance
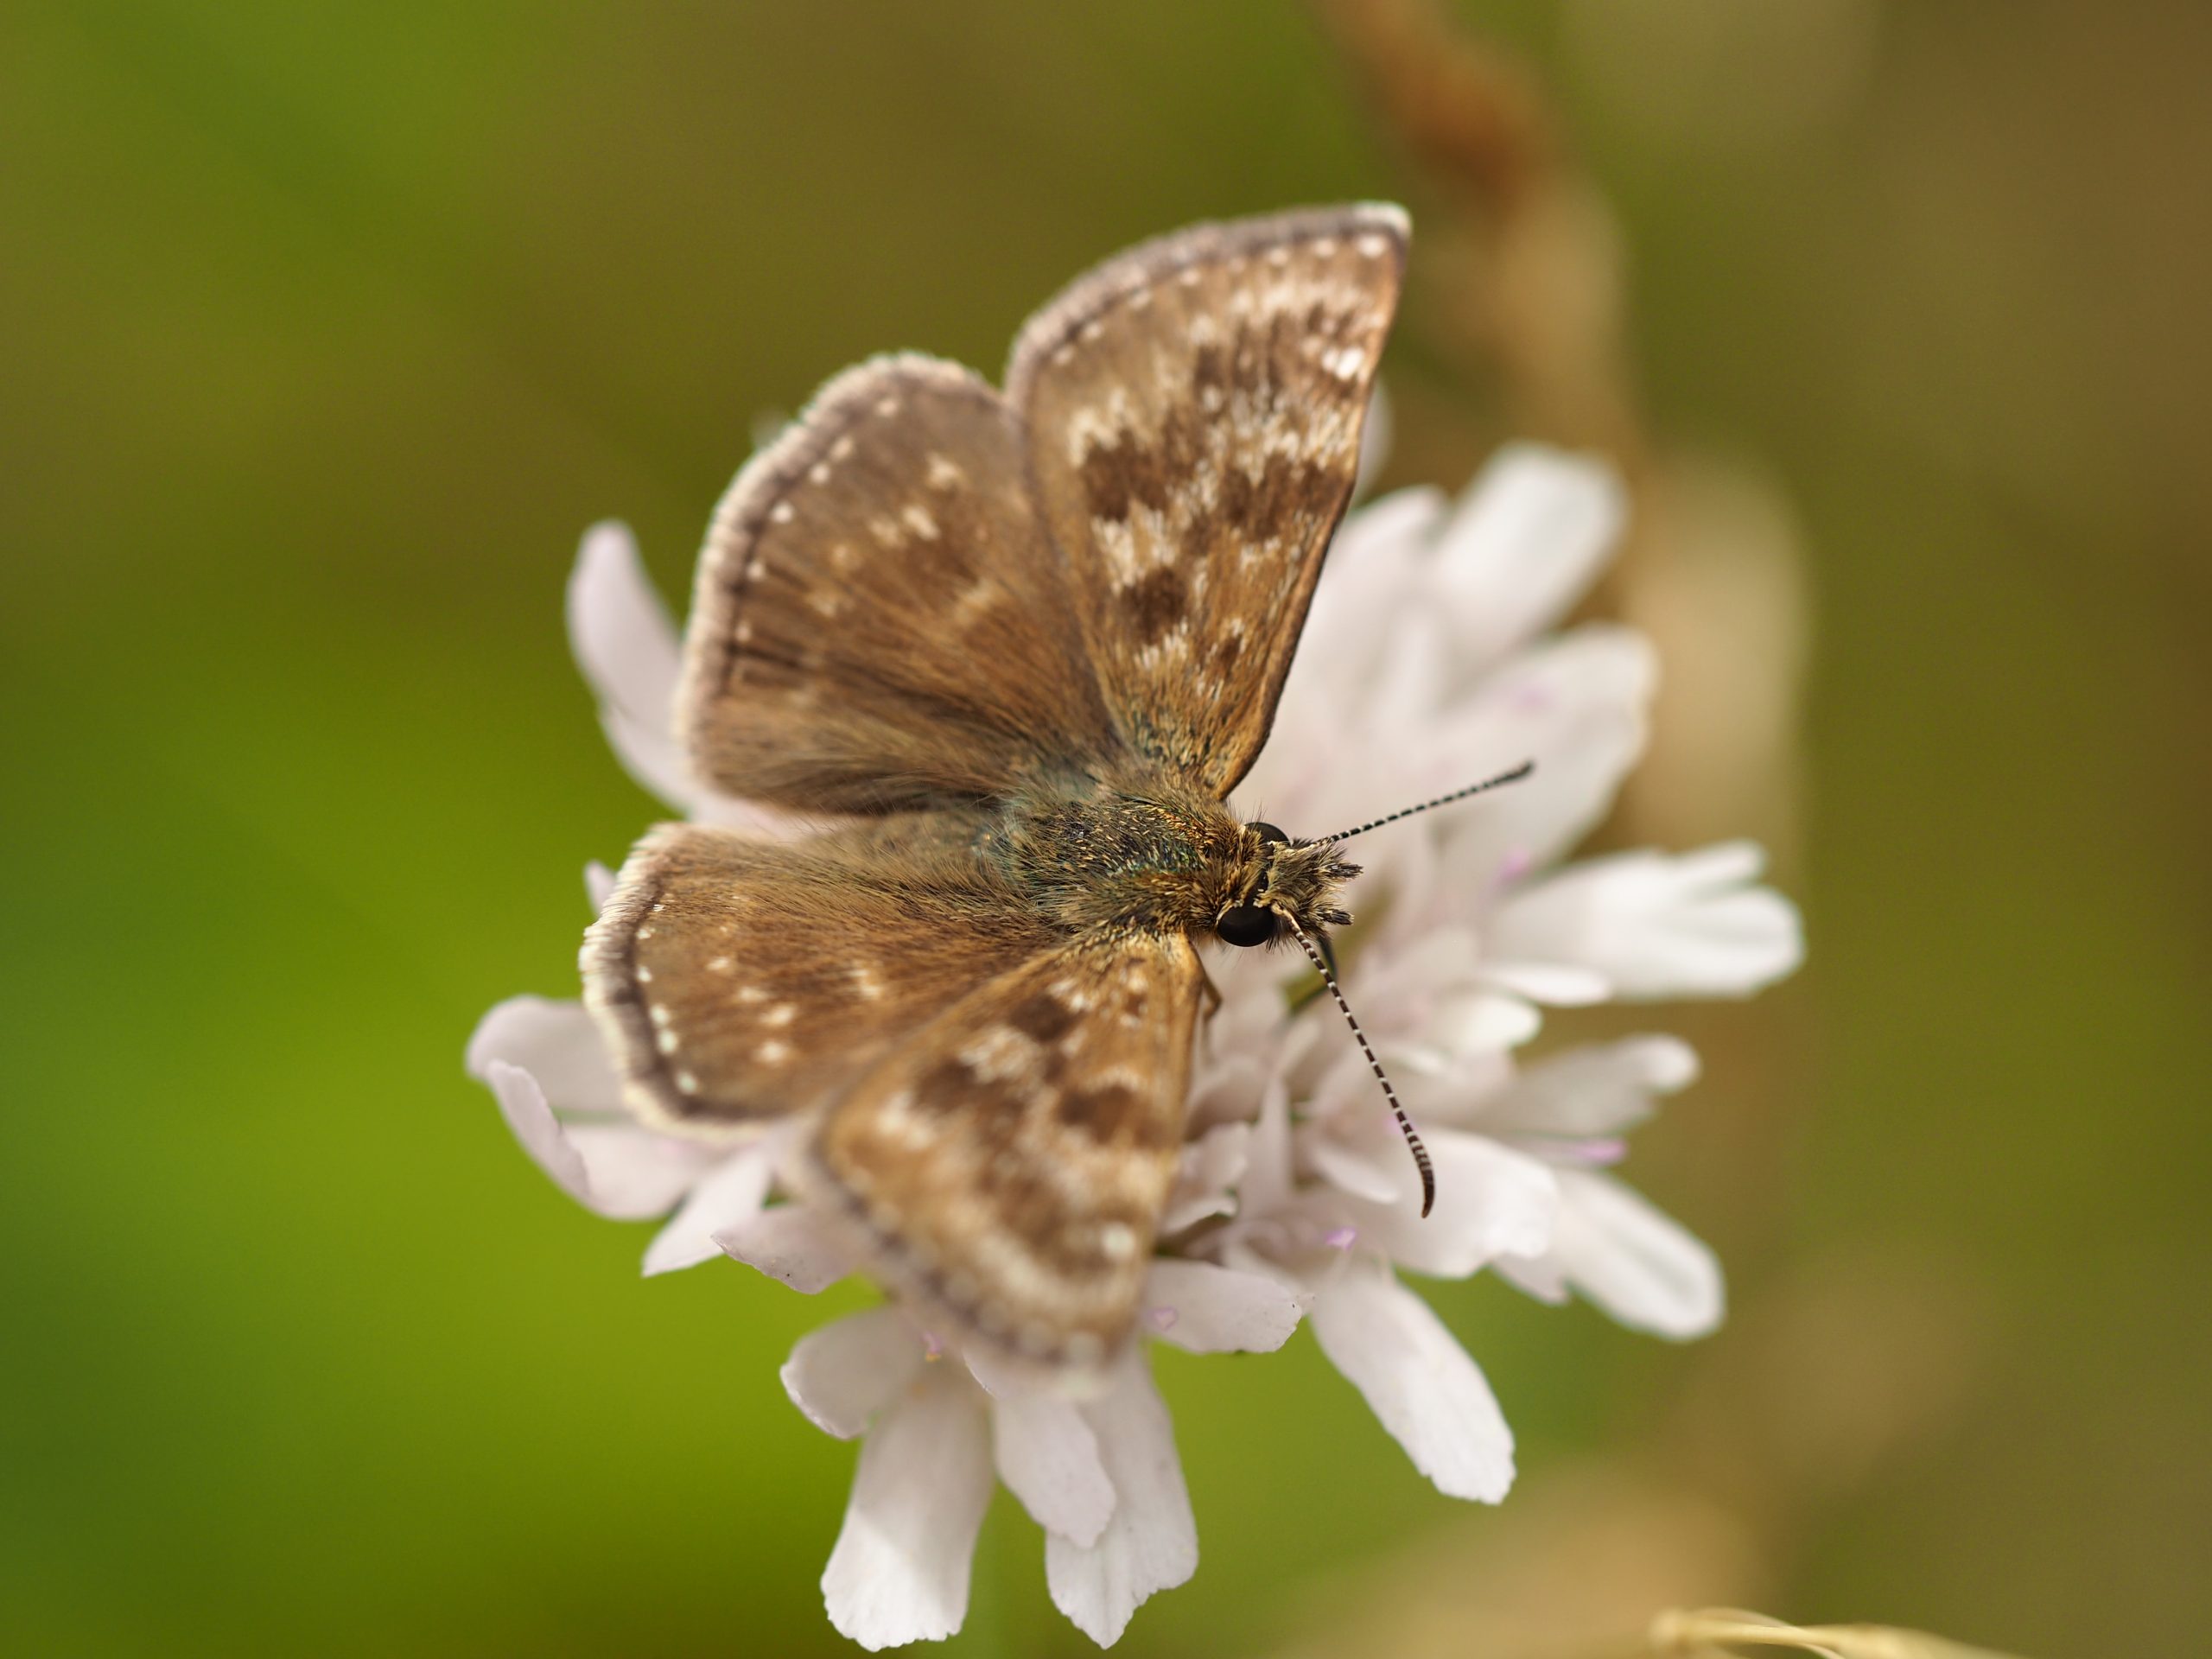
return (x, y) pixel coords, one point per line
(1047, 1454)
(1211, 1310)
(724, 1197)
(1421, 1384)
(843, 1373)
(1152, 1542)
(791, 1242)
(1634, 1262)
(900, 1568)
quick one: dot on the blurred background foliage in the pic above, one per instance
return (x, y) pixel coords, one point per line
(327, 329)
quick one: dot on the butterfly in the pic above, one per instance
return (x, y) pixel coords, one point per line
(1015, 648)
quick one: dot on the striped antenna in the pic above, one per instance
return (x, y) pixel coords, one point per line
(1321, 966)
(1512, 777)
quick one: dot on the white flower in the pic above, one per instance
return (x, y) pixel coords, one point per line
(1100, 1474)
(1423, 667)
(1420, 671)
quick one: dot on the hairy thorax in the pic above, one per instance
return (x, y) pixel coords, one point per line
(1137, 848)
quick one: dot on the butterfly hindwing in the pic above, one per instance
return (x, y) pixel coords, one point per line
(879, 621)
(736, 979)
(1193, 412)
(1009, 1163)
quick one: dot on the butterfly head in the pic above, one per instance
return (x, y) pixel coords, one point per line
(1284, 887)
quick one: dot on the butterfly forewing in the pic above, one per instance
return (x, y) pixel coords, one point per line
(1193, 412)
(1010, 1162)
(737, 979)
(878, 619)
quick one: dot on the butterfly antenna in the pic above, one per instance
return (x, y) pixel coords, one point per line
(1512, 777)
(1323, 966)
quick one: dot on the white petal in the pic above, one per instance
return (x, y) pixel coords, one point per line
(1640, 1266)
(1378, 553)
(555, 1042)
(522, 1102)
(619, 1171)
(723, 1199)
(1600, 1089)
(1560, 984)
(844, 1373)
(1152, 1542)
(599, 885)
(1048, 1457)
(1210, 1310)
(1419, 1382)
(1367, 1171)
(899, 1571)
(1207, 1175)
(626, 646)
(1490, 1201)
(1526, 540)
(1534, 1275)
(1575, 706)
(634, 1172)
(1374, 442)
(789, 1241)
(1658, 925)
(1483, 1022)
(1269, 1174)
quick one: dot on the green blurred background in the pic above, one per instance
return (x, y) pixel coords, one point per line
(324, 331)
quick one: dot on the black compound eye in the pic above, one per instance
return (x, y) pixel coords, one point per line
(1246, 925)
(1270, 833)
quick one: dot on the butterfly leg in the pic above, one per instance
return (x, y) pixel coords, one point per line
(1212, 993)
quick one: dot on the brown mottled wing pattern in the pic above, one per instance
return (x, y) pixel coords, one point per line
(879, 620)
(737, 979)
(1193, 412)
(1009, 1163)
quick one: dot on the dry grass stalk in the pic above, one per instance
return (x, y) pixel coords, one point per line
(1717, 1632)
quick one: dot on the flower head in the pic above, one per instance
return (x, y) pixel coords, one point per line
(1425, 664)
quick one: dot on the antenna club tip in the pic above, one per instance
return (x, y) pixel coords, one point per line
(1427, 1201)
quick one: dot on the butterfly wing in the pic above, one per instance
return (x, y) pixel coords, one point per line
(736, 980)
(1010, 1162)
(879, 621)
(1193, 410)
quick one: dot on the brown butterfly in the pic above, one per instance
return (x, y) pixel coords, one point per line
(1021, 645)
